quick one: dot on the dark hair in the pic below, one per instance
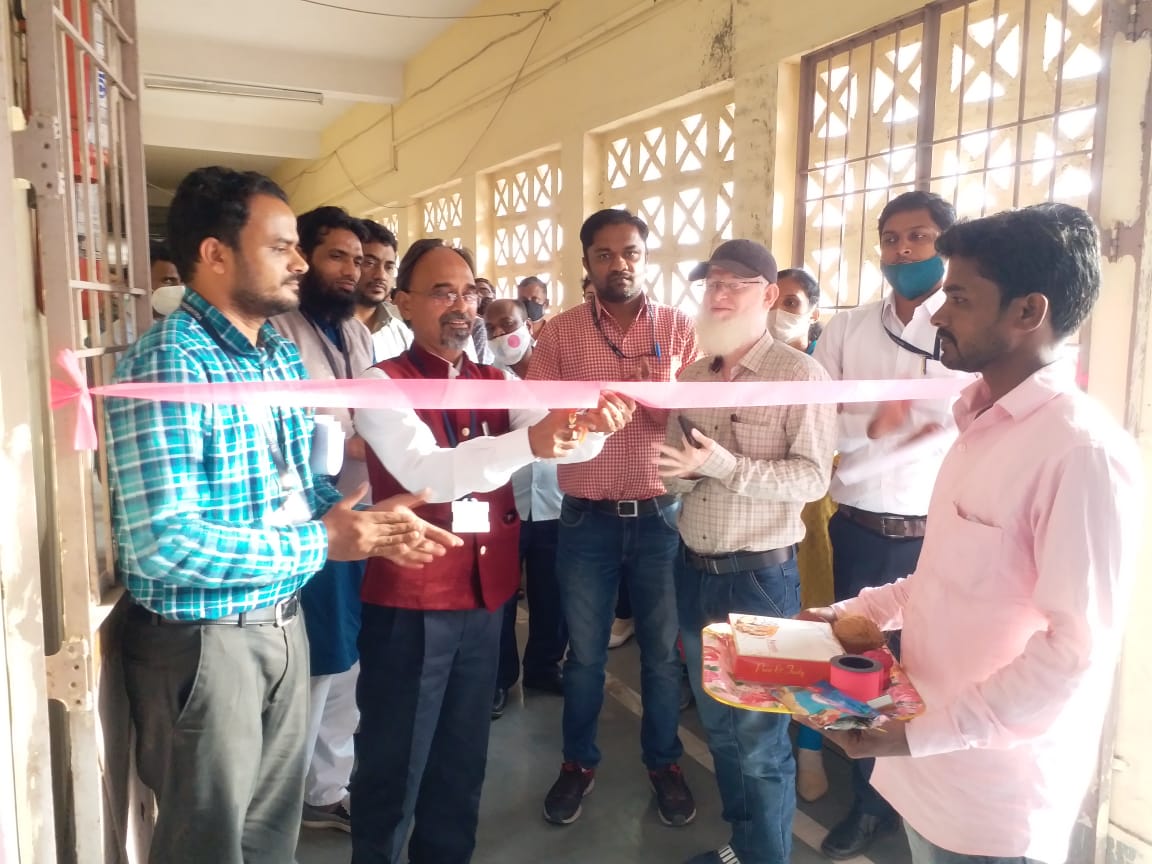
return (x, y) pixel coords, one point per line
(1049, 249)
(417, 251)
(807, 282)
(158, 251)
(314, 226)
(532, 280)
(942, 213)
(374, 232)
(603, 218)
(212, 202)
(811, 291)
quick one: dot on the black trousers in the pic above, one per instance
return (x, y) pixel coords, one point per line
(425, 699)
(547, 632)
(863, 559)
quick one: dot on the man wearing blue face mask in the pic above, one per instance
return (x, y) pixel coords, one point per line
(889, 455)
(538, 501)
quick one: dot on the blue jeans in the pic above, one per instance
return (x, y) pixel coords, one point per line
(751, 749)
(926, 852)
(595, 551)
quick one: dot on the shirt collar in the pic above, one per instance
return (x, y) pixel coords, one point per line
(599, 313)
(929, 307)
(756, 354)
(434, 366)
(1035, 391)
(225, 332)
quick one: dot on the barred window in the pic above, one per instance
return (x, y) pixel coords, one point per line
(991, 104)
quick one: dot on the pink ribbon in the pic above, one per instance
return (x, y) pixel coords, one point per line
(84, 431)
(439, 394)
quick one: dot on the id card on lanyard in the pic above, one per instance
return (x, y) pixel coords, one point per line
(294, 508)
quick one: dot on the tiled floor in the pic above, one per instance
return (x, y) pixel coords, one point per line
(619, 824)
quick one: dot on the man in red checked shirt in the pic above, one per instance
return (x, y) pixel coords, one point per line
(616, 521)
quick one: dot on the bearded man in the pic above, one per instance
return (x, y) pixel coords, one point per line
(333, 345)
(744, 474)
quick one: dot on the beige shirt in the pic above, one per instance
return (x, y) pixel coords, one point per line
(325, 362)
(770, 461)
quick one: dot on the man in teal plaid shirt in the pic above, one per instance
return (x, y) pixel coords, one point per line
(219, 522)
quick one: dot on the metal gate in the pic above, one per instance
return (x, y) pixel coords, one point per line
(75, 79)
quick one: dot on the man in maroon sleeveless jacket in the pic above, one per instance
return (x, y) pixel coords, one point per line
(429, 639)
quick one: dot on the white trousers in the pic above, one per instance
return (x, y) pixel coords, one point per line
(332, 720)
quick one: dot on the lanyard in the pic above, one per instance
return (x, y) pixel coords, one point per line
(925, 356)
(616, 348)
(445, 416)
(272, 427)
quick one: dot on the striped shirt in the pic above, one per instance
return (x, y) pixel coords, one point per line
(770, 461)
(195, 487)
(573, 348)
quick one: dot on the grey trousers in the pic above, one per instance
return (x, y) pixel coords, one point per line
(220, 714)
(926, 852)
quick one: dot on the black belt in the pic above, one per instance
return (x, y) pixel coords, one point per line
(886, 524)
(740, 562)
(629, 509)
(279, 614)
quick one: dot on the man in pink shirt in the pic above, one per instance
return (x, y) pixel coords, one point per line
(1013, 618)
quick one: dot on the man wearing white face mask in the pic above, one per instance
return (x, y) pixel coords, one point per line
(538, 501)
(167, 286)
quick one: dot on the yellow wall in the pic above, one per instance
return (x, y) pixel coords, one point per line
(596, 64)
(600, 62)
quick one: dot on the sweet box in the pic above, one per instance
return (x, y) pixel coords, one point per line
(783, 651)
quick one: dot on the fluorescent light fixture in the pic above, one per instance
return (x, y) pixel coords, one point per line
(230, 88)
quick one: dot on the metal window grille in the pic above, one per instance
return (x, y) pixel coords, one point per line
(990, 103)
(525, 219)
(675, 171)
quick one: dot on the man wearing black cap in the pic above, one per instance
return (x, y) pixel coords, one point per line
(745, 474)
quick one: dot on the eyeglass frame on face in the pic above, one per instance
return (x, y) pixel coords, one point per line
(732, 286)
(449, 298)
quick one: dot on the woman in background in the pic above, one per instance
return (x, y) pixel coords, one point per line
(794, 320)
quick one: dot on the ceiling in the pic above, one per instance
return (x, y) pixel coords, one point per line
(332, 58)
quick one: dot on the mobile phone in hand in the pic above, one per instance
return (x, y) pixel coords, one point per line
(687, 427)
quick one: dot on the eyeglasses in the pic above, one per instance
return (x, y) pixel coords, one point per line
(450, 298)
(714, 285)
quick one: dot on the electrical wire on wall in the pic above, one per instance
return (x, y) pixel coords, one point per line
(540, 21)
(409, 17)
(507, 94)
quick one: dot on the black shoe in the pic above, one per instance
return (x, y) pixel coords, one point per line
(551, 681)
(674, 799)
(855, 834)
(499, 703)
(563, 803)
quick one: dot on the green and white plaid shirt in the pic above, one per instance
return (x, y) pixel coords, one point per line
(194, 487)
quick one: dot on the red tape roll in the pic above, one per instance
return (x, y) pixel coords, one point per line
(857, 676)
